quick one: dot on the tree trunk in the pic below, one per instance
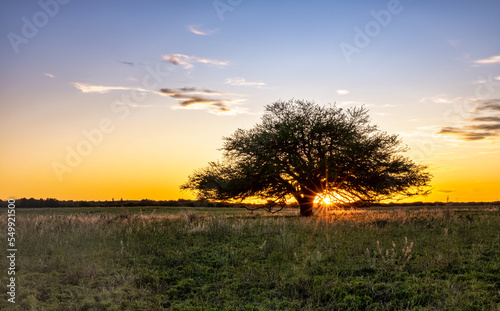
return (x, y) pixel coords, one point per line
(306, 206)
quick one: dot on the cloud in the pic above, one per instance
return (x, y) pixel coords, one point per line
(484, 127)
(485, 122)
(189, 97)
(187, 61)
(485, 119)
(464, 134)
(88, 88)
(491, 80)
(134, 105)
(49, 75)
(490, 60)
(197, 31)
(492, 104)
(183, 91)
(479, 81)
(128, 63)
(192, 98)
(446, 191)
(243, 82)
(440, 99)
(342, 92)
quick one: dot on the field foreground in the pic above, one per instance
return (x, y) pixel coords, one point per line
(213, 259)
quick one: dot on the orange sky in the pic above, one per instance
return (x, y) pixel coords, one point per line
(143, 92)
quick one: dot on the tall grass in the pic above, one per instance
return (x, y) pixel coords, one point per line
(379, 259)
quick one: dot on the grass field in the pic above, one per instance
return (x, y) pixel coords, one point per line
(227, 259)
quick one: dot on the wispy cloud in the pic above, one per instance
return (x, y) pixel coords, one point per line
(446, 191)
(101, 89)
(89, 88)
(188, 97)
(465, 134)
(488, 104)
(197, 31)
(49, 75)
(490, 60)
(479, 81)
(127, 63)
(243, 82)
(134, 105)
(133, 64)
(485, 119)
(213, 101)
(187, 61)
(440, 99)
(484, 124)
(342, 92)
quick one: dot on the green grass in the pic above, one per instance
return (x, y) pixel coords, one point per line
(213, 259)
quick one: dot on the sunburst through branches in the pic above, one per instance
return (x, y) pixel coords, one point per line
(328, 201)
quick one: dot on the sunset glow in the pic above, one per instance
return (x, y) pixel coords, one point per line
(113, 100)
(327, 198)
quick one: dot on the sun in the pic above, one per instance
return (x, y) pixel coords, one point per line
(328, 202)
(325, 199)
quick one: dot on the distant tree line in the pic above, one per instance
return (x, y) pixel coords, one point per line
(51, 202)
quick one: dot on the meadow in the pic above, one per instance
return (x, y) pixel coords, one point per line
(170, 258)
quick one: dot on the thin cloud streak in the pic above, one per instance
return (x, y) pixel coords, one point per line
(243, 82)
(485, 119)
(197, 31)
(88, 88)
(490, 60)
(464, 134)
(440, 99)
(342, 92)
(492, 104)
(135, 105)
(187, 61)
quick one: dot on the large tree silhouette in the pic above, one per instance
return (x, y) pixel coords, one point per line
(301, 150)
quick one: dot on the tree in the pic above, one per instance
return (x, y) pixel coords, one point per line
(301, 150)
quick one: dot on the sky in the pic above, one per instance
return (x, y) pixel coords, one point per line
(105, 100)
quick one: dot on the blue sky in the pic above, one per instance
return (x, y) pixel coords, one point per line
(425, 69)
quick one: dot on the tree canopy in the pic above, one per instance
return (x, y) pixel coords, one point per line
(301, 150)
